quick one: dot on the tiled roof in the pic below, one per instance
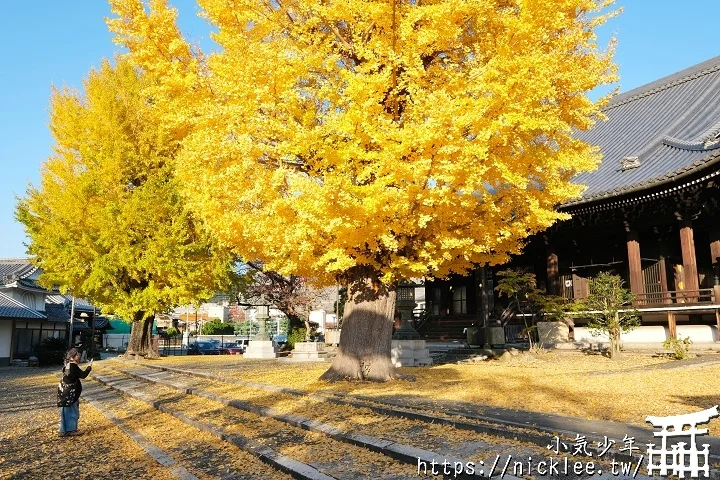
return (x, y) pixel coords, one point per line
(57, 299)
(13, 269)
(11, 308)
(31, 284)
(81, 304)
(100, 322)
(671, 125)
(56, 313)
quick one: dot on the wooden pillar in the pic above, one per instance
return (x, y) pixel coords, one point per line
(663, 280)
(553, 274)
(687, 243)
(481, 297)
(716, 293)
(486, 292)
(715, 255)
(672, 326)
(634, 265)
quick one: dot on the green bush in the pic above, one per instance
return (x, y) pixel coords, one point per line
(296, 335)
(216, 327)
(171, 332)
(680, 348)
(51, 351)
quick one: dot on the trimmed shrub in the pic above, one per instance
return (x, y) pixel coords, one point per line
(51, 351)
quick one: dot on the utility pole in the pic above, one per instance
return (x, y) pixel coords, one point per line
(72, 315)
(92, 333)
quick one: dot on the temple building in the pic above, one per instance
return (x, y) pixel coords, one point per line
(650, 214)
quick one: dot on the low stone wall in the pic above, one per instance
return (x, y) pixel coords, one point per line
(654, 334)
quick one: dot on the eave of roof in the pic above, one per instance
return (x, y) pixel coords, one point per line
(639, 189)
(672, 125)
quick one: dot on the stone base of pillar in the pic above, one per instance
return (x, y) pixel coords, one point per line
(495, 336)
(260, 349)
(410, 353)
(309, 351)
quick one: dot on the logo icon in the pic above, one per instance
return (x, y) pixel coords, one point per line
(681, 457)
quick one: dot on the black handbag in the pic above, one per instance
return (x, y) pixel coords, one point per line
(66, 393)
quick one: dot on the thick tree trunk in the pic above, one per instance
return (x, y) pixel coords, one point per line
(140, 343)
(366, 337)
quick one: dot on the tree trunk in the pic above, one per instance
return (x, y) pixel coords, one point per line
(307, 329)
(366, 335)
(140, 343)
(614, 344)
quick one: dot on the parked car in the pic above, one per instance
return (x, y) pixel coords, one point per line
(224, 348)
(203, 348)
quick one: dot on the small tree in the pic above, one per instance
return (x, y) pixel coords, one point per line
(526, 299)
(680, 347)
(216, 327)
(520, 287)
(605, 305)
(290, 294)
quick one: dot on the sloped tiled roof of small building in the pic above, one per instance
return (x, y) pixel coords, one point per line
(11, 308)
(16, 268)
(672, 125)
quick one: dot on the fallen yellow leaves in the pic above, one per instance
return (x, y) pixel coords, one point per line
(31, 448)
(590, 386)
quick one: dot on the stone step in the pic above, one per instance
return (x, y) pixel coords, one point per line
(403, 453)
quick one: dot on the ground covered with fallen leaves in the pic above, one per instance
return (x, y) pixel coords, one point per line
(590, 386)
(31, 448)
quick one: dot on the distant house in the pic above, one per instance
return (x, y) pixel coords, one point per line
(29, 313)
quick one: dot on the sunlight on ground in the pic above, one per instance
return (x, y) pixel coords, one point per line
(589, 386)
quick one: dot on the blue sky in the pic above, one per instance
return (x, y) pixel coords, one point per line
(56, 43)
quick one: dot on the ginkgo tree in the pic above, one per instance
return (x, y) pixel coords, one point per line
(107, 221)
(365, 142)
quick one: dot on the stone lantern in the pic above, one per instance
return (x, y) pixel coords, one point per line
(262, 315)
(408, 350)
(405, 304)
(261, 346)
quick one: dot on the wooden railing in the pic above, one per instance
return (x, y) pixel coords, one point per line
(677, 297)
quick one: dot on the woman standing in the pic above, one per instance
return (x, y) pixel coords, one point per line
(69, 391)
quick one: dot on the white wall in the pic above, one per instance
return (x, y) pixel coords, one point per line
(5, 338)
(318, 316)
(647, 334)
(654, 334)
(218, 311)
(17, 294)
(699, 333)
(583, 335)
(116, 340)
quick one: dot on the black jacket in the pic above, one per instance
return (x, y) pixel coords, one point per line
(73, 374)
